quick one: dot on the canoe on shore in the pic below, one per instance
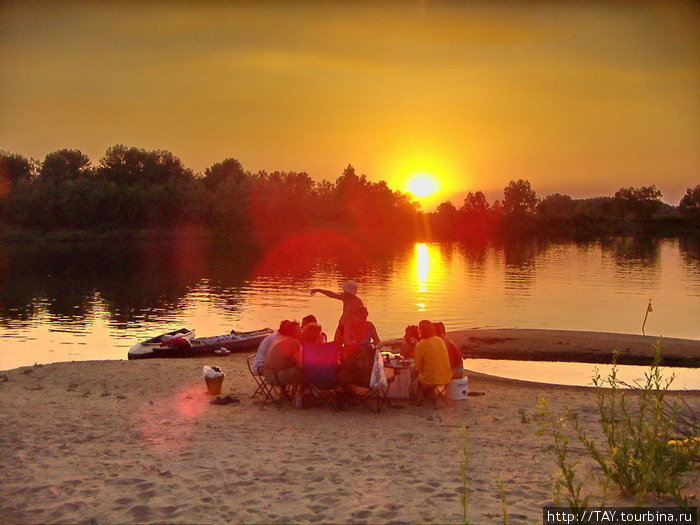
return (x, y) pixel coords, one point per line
(202, 346)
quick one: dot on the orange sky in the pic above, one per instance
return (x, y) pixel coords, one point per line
(576, 97)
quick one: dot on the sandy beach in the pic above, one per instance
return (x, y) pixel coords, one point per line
(139, 441)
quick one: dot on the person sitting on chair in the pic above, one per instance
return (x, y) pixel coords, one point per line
(312, 333)
(263, 348)
(283, 361)
(410, 337)
(311, 319)
(357, 354)
(456, 361)
(431, 357)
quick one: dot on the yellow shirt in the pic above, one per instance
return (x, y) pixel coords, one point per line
(432, 361)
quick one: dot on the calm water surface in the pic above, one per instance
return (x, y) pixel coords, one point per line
(62, 302)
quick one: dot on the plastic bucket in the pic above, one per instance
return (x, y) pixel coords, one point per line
(458, 389)
(214, 384)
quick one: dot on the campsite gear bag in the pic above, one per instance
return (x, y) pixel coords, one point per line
(378, 378)
(214, 378)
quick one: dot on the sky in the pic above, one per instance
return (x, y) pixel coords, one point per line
(580, 98)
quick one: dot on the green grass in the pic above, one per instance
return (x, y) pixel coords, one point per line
(637, 424)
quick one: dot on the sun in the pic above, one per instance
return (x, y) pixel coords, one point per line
(422, 185)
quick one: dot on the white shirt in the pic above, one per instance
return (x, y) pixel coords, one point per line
(261, 354)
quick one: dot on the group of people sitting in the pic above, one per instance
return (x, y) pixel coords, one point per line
(279, 358)
(433, 338)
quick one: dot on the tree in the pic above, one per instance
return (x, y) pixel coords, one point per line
(639, 203)
(475, 203)
(14, 167)
(63, 165)
(127, 166)
(519, 199)
(690, 203)
(227, 170)
(556, 206)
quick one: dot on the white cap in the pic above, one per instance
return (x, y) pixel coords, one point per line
(350, 287)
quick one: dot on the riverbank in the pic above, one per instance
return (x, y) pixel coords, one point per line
(575, 346)
(139, 441)
(522, 344)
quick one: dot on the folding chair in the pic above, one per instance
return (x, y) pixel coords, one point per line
(356, 376)
(433, 393)
(263, 388)
(272, 393)
(320, 364)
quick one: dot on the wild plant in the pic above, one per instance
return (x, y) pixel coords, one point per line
(638, 424)
(637, 452)
(504, 500)
(566, 481)
(464, 498)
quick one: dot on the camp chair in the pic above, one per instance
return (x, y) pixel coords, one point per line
(272, 393)
(320, 364)
(263, 388)
(356, 373)
(433, 393)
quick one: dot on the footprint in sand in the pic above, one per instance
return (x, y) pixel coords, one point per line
(140, 512)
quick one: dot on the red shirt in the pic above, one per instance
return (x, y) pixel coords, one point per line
(454, 354)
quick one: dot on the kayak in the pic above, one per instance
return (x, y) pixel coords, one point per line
(146, 347)
(182, 346)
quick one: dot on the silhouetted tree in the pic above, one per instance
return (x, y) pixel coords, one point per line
(519, 199)
(14, 168)
(475, 203)
(556, 206)
(63, 165)
(136, 165)
(690, 203)
(227, 170)
(639, 203)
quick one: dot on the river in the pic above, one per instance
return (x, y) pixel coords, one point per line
(93, 300)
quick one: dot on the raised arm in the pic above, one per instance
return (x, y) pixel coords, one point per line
(327, 293)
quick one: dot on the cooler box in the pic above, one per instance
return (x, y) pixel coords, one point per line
(458, 389)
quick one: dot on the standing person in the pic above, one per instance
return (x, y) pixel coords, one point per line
(351, 302)
(431, 357)
(359, 331)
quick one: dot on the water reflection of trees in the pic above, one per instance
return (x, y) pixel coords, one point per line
(690, 250)
(633, 251)
(519, 264)
(132, 279)
(142, 281)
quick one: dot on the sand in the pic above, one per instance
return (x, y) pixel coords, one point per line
(138, 442)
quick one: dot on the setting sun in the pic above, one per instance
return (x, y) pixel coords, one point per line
(422, 185)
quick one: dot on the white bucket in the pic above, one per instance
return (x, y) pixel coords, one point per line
(458, 389)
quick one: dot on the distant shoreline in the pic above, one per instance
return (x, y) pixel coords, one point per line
(572, 346)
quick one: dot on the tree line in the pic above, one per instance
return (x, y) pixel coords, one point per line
(131, 187)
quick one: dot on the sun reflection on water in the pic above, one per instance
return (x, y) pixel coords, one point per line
(428, 272)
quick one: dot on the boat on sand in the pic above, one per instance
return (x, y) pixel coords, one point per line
(183, 346)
